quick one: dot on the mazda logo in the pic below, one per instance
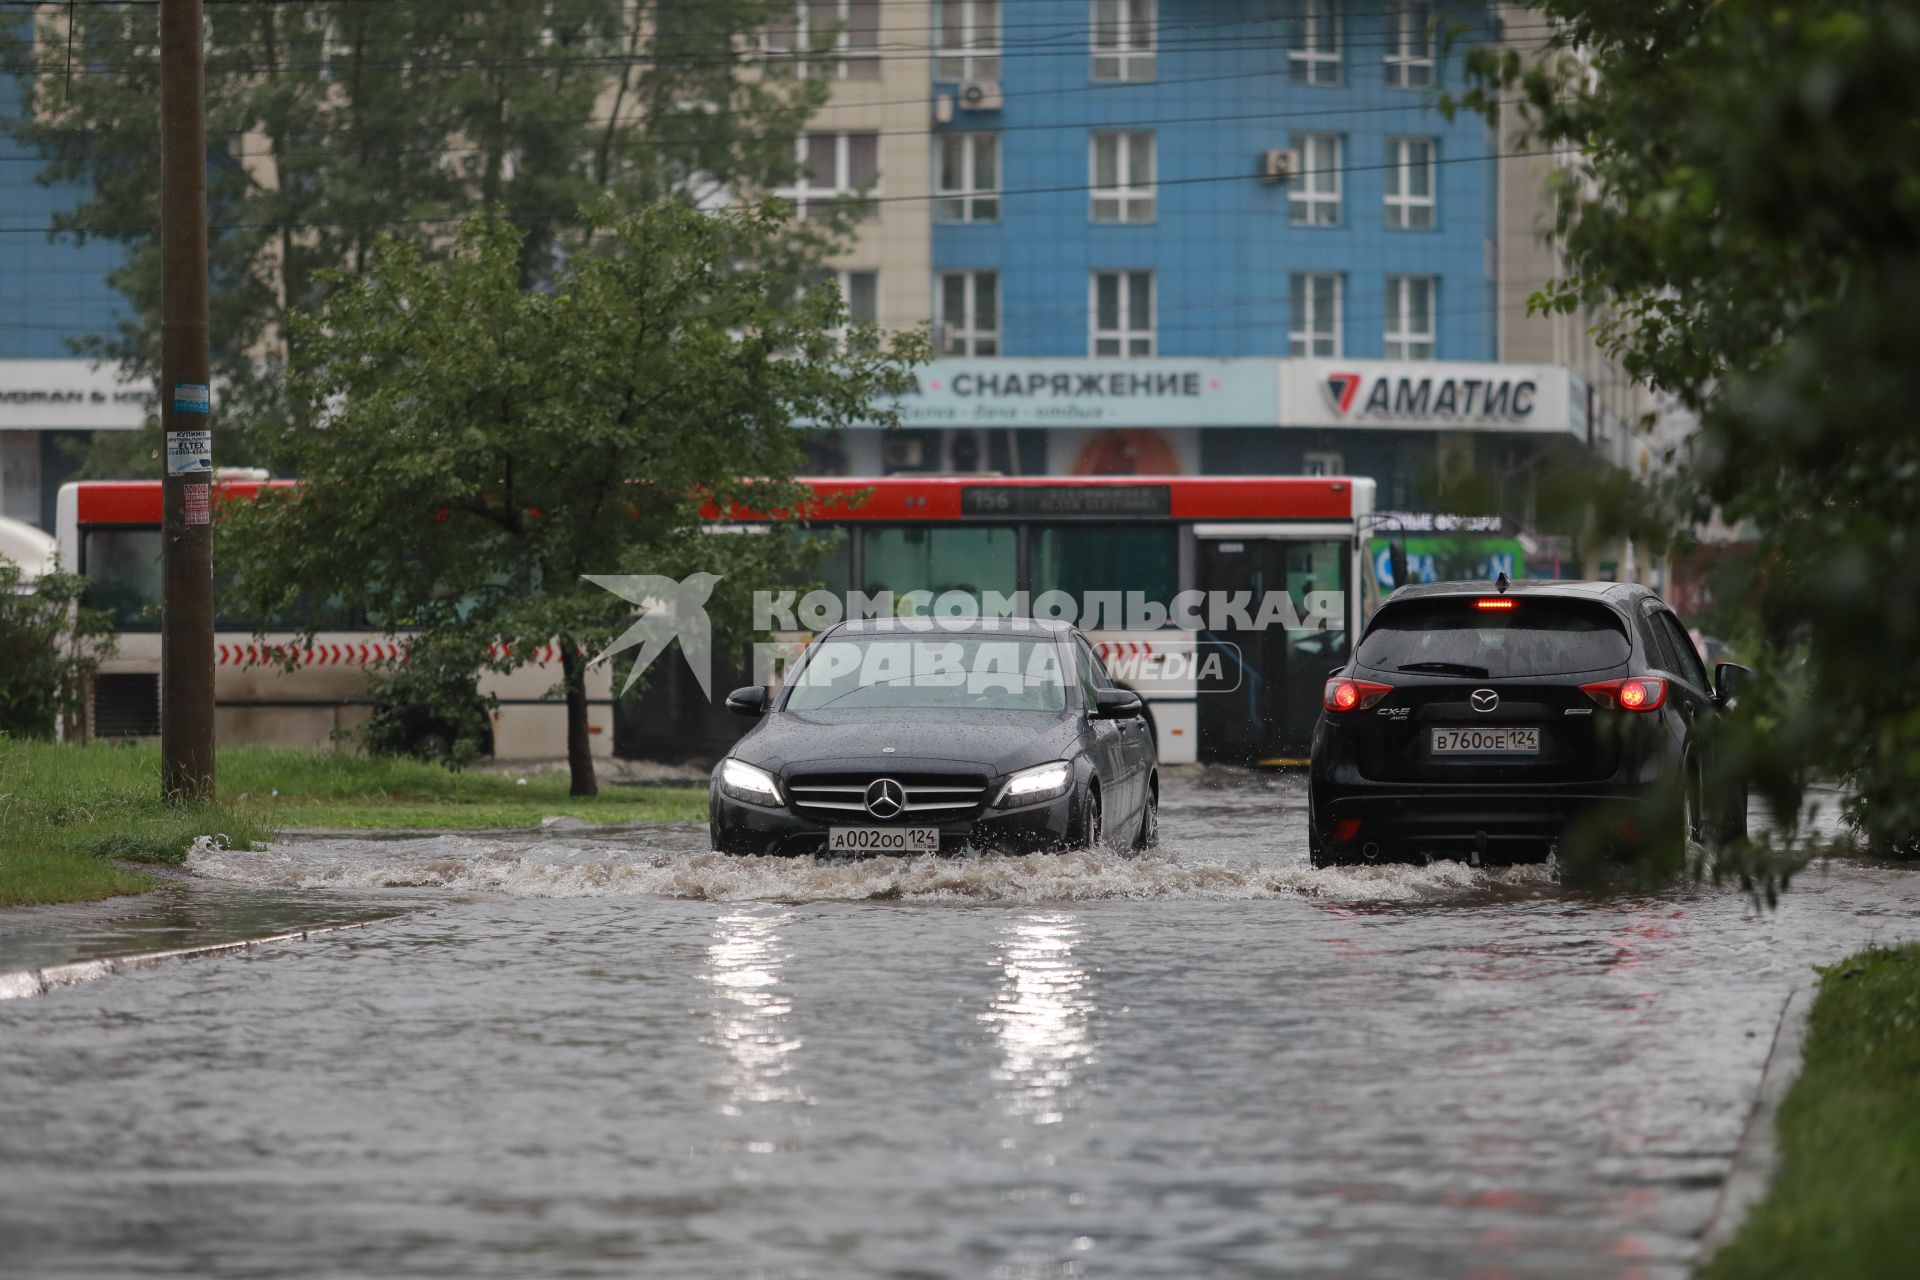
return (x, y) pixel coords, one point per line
(886, 799)
(1482, 700)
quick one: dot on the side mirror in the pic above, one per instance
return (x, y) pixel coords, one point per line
(750, 701)
(1117, 704)
(1727, 679)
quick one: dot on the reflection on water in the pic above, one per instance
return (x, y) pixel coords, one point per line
(596, 1054)
(744, 965)
(1040, 1016)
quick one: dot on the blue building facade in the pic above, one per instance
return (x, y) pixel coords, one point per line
(1213, 87)
(54, 293)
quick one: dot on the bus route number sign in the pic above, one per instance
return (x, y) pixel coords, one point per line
(1066, 500)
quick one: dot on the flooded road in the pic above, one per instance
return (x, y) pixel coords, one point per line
(613, 1054)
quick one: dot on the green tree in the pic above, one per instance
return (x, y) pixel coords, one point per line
(50, 648)
(478, 446)
(1741, 194)
(337, 122)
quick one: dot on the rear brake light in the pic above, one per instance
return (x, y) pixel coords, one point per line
(1634, 693)
(1343, 694)
(1496, 604)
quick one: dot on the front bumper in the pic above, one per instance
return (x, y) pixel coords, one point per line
(1032, 828)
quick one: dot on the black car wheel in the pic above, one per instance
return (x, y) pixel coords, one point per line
(1149, 836)
(1095, 832)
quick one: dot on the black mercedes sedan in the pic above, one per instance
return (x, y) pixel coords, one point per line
(918, 735)
(1489, 721)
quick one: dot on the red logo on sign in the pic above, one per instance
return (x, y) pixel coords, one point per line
(1341, 388)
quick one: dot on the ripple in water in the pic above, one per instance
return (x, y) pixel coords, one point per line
(594, 868)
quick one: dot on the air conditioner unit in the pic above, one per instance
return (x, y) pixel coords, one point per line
(1279, 165)
(981, 95)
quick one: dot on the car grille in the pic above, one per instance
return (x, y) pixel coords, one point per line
(940, 797)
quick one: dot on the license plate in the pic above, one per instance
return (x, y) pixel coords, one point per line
(883, 839)
(1457, 742)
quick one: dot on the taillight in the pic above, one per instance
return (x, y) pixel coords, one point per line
(1343, 694)
(1634, 693)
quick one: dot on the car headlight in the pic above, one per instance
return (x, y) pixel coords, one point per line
(1042, 782)
(742, 781)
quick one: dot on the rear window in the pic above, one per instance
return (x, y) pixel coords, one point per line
(1535, 637)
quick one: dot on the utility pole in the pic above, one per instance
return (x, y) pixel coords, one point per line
(186, 414)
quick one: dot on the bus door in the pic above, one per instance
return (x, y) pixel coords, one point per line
(1266, 716)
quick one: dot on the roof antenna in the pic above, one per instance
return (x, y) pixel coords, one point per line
(1501, 583)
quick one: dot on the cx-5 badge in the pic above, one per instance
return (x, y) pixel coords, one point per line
(1484, 699)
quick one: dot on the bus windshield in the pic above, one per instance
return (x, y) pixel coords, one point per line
(922, 672)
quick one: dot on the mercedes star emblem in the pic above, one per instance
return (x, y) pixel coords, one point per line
(886, 799)
(1482, 699)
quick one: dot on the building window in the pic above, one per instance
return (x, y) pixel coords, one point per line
(969, 40)
(844, 33)
(1313, 56)
(968, 178)
(1123, 39)
(969, 313)
(1123, 313)
(859, 294)
(1122, 177)
(837, 165)
(1315, 195)
(1410, 44)
(1410, 183)
(1322, 462)
(1410, 317)
(1315, 329)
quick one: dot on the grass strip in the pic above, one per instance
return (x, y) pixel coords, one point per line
(1847, 1194)
(69, 815)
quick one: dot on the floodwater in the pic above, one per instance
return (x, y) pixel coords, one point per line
(592, 1053)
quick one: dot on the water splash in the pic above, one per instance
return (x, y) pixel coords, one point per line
(560, 869)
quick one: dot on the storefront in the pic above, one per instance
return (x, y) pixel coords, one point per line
(1417, 428)
(49, 410)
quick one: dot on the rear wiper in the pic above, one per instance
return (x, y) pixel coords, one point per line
(1445, 668)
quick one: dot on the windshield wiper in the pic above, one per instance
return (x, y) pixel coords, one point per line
(1446, 668)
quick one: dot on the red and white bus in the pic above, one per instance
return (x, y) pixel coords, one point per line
(1093, 538)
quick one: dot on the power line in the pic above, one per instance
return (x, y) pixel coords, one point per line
(664, 143)
(894, 53)
(849, 198)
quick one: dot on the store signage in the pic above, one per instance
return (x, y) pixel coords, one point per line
(70, 395)
(1093, 393)
(1425, 395)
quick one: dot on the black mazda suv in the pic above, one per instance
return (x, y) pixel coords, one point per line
(1489, 721)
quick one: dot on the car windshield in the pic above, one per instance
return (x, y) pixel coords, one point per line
(1532, 636)
(895, 672)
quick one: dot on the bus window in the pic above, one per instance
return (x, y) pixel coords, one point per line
(123, 576)
(832, 563)
(972, 558)
(1083, 558)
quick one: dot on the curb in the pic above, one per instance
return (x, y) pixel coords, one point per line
(1758, 1153)
(23, 983)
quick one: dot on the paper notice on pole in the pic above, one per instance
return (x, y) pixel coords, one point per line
(192, 397)
(199, 503)
(189, 453)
